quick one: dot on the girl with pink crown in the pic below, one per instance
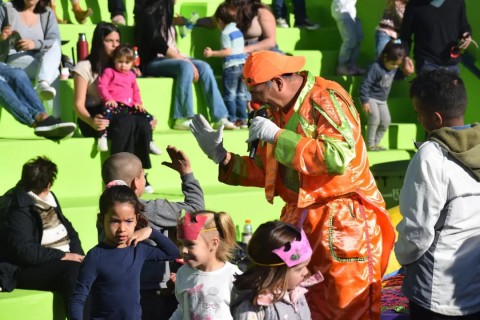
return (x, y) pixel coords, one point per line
(274, 285)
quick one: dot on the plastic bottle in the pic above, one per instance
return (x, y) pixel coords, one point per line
(189, 25)
(247, 231)
(136, 57)
(82, 47)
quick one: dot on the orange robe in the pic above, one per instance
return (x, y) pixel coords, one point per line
(319, 167)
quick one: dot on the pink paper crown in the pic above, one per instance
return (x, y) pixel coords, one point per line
(299, 252)
(190, 228)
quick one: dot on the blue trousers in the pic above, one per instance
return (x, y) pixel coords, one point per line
(17, 95)
(235, 93)
(182, 71)
(352, 35)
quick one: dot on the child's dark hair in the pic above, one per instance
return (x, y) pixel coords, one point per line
(225, 229)
(123, 51)
(226, 13)
(393, 51)
(38, 174)
(440, 91)
(120, 194)
(266, 273)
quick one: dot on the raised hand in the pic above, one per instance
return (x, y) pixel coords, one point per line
(180, 161)
(209, 140)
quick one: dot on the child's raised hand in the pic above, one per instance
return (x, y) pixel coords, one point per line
(366, 107)
(207, 52)
(111, 103)
(139, 235)
(180, 161)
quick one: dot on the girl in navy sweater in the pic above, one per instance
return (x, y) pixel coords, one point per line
(111, 270)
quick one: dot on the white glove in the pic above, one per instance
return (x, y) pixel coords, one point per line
(262, 129)
(209, 140)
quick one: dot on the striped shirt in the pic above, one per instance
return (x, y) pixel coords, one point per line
(232, 38)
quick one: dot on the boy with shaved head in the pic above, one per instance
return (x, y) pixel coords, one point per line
(161, 214)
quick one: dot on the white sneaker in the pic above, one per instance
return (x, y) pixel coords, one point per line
(182, 124)
(227, 125)
(148, 186)
(154, 149)
(282, 23)
(102, 144)
(44, 91)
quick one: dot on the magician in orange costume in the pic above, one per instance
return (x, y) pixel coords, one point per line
(312, 155)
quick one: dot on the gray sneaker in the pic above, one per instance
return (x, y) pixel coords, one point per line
(227, 125)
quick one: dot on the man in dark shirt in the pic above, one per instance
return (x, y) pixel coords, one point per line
(437, 26)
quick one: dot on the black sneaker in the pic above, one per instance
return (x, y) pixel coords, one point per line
(307, 24)
(52, 128)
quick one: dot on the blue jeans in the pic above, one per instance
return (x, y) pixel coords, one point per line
(182, 71)
(381, 40)
(427, 66)
(17, 95)
(352, 35)
(279, 8)
(235, 93)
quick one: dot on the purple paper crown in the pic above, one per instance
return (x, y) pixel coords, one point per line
(191, 227)
(299, 251)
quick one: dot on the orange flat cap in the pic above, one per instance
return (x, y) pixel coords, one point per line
(265, 65)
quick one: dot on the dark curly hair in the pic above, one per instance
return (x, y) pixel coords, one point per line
(38, 174)
(120, 194)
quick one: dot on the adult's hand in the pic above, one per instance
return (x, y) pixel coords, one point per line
(99, 123)
(73, 257)
(466, 40)
(262, 129)
(153, 123)
(6, 32)
(180, 161)
(407, 66)
(25, 45)
(196, 75)
(209, 140)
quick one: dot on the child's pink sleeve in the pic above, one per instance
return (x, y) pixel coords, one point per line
(103, 83)
(136, 91)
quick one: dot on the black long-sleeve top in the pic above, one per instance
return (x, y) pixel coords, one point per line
(149, 46)
(435, 30)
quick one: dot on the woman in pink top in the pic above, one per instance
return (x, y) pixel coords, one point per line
(119, 91)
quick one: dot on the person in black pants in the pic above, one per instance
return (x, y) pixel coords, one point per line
(436, 28)
(117, 11)
(36, 239)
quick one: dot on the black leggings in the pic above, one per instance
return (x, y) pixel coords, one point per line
(128, 133)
